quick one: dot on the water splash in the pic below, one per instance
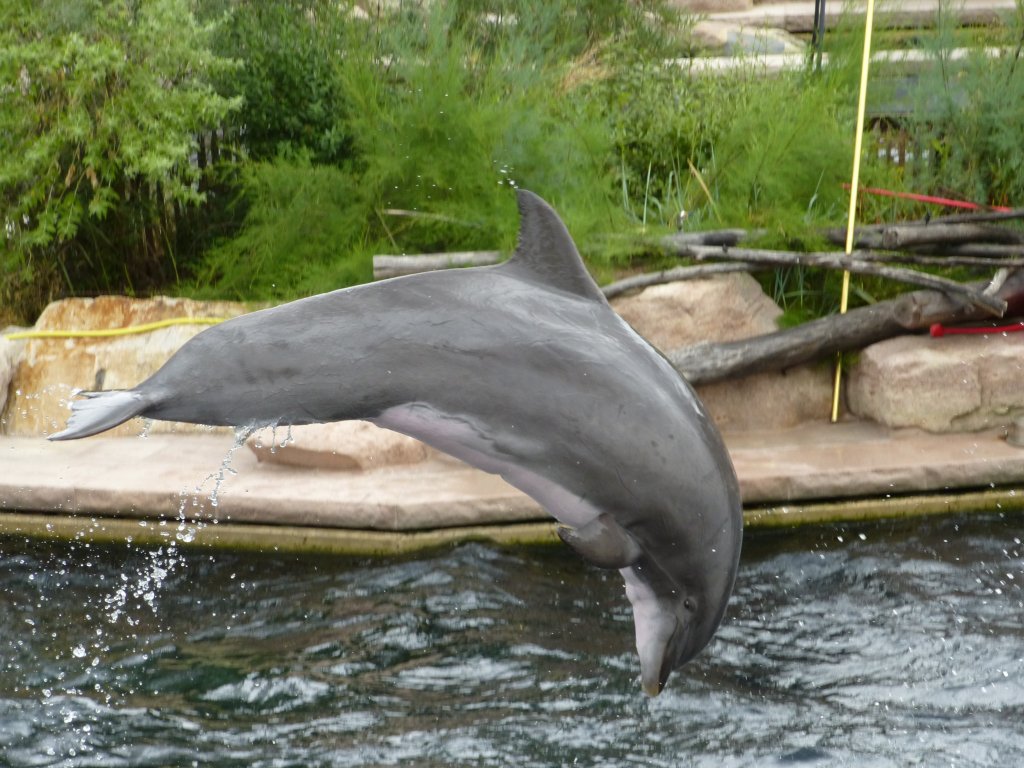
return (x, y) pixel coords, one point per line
(143, 587)
(241, 435)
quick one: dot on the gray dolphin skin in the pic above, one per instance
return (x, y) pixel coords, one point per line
(520, 369)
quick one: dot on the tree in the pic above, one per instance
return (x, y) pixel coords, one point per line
(102, 105)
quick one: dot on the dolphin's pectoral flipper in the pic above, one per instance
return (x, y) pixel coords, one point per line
(602, 542)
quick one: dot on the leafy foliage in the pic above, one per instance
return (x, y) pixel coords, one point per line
(444, 114)
(967, 122)
(291, 97)
(102, 104)
(311, 213)
(267, 150)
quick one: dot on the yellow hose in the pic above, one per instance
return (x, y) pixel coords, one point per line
(107, 332)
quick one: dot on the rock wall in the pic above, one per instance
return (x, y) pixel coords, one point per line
(717, 309)
(948, 384)
(48, 371)
(11, 351)
(727, 308)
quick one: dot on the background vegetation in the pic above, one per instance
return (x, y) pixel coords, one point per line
(266, 150)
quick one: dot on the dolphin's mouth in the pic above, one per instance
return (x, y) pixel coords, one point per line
(654, 676)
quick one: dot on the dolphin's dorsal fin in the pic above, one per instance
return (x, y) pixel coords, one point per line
(546, 251)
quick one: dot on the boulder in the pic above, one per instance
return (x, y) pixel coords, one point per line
(948, 384)
(10, 354)
(352, 445)
(51, 370)
(731, 38)
(726, 308)
(44, 373)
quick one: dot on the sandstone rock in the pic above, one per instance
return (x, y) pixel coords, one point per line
(719, 308)
(726, 308)
(10, 353)
(949, 384)
(339, 445)
(50, 370)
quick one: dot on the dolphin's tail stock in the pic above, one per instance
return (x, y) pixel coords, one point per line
(99, 411)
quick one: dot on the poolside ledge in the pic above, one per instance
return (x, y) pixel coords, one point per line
(193, 488)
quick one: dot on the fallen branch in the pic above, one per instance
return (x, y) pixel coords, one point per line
(674, 275)
(953, 258)
(855, 262)
(981, 250)
(980, 216)
(710, 362)
(932, 233)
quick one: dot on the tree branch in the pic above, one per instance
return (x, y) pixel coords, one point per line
(855, 262)
(674, 275)
(858, 328)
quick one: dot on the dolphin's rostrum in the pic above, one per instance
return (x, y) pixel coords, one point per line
(521, 369)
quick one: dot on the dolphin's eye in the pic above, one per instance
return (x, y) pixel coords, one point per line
(690, 604)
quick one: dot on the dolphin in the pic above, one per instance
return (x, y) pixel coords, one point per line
(521, 369)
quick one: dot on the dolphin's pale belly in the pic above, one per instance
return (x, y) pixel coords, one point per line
(458, 436)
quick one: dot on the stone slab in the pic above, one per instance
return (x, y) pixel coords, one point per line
(352, 445)
(956, 383)
(205, 477)
(799, 16)
(172, 475)
(864, 459)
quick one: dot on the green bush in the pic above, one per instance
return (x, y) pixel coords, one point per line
(967, 118)
(267, 150)
(445, 113)
(300, 234)
(291, 97)
(101, 106)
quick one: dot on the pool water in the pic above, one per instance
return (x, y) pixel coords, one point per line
(867, 645)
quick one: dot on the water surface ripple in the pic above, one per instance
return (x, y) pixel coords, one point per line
(872, 645)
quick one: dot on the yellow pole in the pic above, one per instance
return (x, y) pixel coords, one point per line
(854, 184)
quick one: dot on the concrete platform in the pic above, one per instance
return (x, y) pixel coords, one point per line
(798, 16)
(164, 487)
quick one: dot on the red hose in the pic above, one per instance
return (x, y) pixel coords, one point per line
(946, 201)
(938, 329)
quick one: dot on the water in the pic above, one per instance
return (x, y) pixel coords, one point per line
(873, 645)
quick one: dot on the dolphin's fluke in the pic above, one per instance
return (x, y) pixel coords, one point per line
(99, 411)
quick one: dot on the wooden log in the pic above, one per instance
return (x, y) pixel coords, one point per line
(854, 263)
(385, 265)
(673, 275)
(898, 237)
(979, 216)
(722, 237)
(989, 251)
(709, 362)
(983, 256)
(946, 232)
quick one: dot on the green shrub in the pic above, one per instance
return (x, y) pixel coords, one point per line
(967, 121)
(101, 106)
(291, 97)
(301, 234)
(445, 114)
